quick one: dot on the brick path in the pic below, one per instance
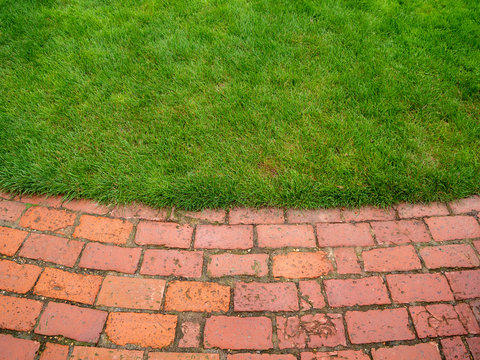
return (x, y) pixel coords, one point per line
(84, 281)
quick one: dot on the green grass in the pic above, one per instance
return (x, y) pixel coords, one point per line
(211, 103)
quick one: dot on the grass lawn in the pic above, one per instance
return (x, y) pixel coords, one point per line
(210, 103)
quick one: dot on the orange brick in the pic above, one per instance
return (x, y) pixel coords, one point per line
(54, 352)
(399, 258)
(103, 229)
(256, 216)
(86, 206)
(145, 330)
(14, 348)
(18, 314)
(86, 353)
(132, 293)
(10, 210)
(44, 219)
(10, 240)
(49, 201)
(17, 278)
(182, 356)
(301, 265)
(277, 236)
(224, 237)
(166, 234)
(60, 284)
(197, 296)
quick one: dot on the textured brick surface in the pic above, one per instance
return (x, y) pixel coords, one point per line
(400, 232)
(466, 205)
(453, 227)
(197, 296)
(301, 265)
(455, 255)
(351, 292)
(233, 264)
(10, 210)
(107, 257)
(103, 229)
(10, 240)
(419, 287)
(166, 234)
(347, 261)
(87, 353)
(344, 235)
(454, 349)
(49, 201)
(278, 236)
(311, 295)
(139, 211)
(256, 216)
(190, 336)
(336, 355)
(17, 278)
(265, 297)
(313, 216)
(15, 348)
(44, 219)
(52, 248)
(18, 314)
(209, 215)
(224, 237)
(399, 258)
(182, 356)
(86, 206)
(474, 345)
(248, 356)
(368, 213)
(465, 284)
(172, 262)
(54, 352)
(425, 351)
(421, 210)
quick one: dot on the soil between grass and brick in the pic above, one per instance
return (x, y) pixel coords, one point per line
(80, 280)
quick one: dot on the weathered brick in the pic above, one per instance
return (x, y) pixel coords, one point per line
(209, 215)
(351, 292)
(313, 216)
(45, 219)
(313, 330)
(228, 332)
(455, 255)
(63, 285)
(336, 355)
(399, 258)
(190, 336)
(256, 216)
(400, 232)
(465, 284)
(10, 210)
(52, 248)
(197, 296)
(103, 229)
(132, 293)
(10, 240)
(368, 213)
(378, 326)
(476, 244)
(421, 210)
(224, 237)
(86, 206)
(407, 288)
(50, 201)
(110, 258)
(17, 278)
(311, 295)
(277, 236)
(443, 320)
(182, 356)
(475, 305)
(256, 296)
(424, 351)
(454, 349)
(18, 314)
(301, 265)
(172, 262)
(14, 348)
(87, 353)
(139, 211)
(466, 205)
(335, 235)
(54, 352)
(71, 321)
(347, 261)
(250, 356)
(453, 227)
(145, 330)
(165, 234)
(231, 265)
(474, 345)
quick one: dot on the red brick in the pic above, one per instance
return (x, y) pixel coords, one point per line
(17, 278)
(209, 215)
(139, 211)
(277, 236)
(44, 219)
(421, 210)
(400, 232)
(407, 288)
(114, 258)
(10, 210)
(103, 229)
(313, 216)
(454, 349)
(476, 244)
(368, 213)
(424, 351)
(87, 353)
(443, 320)
(132, 293)
(378, 326)
(465, 284)
(54, 352)
(190, 336)
(249, 356)
(52, 248)
(18, 349)
(50, 201)
(347, 261)
(172, 262)
(197, 296)
(344, 235)
(313, 330)
(301, 265)
(232, 265)
(63, 285)
(256, 296)
(18, 314)
(256, 216)
(10, 240)
(399, 258)
(474, 345)
(455, 255)
(224, 237)
(453, 227)
(145, 330)
(311, 295)
(336, 355)
(86, 206)
(352, 292)
(5, 195)
(71, 321)
(467, 205)
(228, 332)
(166, 234)
(182, 356)
(475, 305)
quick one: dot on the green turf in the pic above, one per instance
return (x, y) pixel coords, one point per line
(210, 103)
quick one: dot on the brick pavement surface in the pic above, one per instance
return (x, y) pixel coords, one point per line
(81, 280)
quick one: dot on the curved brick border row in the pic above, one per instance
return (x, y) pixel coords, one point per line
(80, 280)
